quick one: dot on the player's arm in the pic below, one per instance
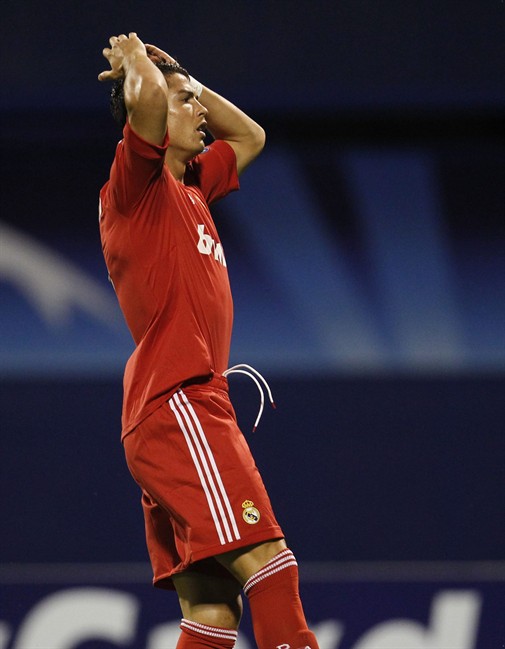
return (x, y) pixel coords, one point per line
(224, 120)
(227, 122)
(145, 88)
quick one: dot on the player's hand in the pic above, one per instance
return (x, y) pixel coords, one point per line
(158, 56)
(121, 48)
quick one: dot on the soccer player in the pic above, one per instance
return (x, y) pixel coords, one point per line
(210, 528)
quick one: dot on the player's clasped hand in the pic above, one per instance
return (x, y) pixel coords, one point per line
(121, 47)
(157, 55)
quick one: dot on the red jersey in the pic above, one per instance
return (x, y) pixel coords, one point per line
(168, 268)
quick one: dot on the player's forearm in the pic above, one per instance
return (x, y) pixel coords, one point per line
(144, 84)
(227, 122)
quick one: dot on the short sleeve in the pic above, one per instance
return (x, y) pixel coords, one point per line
(214, 171)
(137, 163)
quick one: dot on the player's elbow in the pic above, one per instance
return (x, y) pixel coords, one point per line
(249, 146)
(258, 139)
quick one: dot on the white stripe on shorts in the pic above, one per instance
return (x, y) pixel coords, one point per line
(282, 560)
(212, 631)
(206, 467)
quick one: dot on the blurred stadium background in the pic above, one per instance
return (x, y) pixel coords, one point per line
(366, 253)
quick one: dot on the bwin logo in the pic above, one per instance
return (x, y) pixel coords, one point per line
(206, 245)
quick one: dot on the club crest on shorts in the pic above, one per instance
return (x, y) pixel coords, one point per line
(250, 514)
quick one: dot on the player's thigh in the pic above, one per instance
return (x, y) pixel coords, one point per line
(245, 562)
(209, 599)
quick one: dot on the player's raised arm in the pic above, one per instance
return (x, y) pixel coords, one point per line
(224, 120)
(145, 88)
(227, 122)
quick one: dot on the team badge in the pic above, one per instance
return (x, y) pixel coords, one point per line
(250, 514)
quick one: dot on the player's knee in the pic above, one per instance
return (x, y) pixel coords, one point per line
(224, 615)
(245, 562)
(214, 602)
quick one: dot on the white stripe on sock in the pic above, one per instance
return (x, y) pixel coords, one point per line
(212, 631)
(279, 558)
(281, 561)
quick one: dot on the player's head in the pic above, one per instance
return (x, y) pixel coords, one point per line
(117, 103)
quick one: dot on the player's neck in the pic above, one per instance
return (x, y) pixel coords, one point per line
(176, 166)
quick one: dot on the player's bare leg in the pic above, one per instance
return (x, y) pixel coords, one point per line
(269, 574)
(211, 608)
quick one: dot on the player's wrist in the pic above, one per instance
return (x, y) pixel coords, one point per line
(134, 59)
(197, 86)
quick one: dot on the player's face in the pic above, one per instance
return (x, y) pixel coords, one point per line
(186, 118)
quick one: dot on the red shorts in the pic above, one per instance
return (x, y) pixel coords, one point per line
(202, 494)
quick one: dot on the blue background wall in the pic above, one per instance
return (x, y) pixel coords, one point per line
(366, 252)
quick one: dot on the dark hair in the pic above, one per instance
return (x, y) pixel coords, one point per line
(117, 102)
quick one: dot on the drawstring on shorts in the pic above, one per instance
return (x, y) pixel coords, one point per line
(249, 371)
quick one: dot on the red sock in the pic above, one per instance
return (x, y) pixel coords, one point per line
(276, 608)
(201, 636)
